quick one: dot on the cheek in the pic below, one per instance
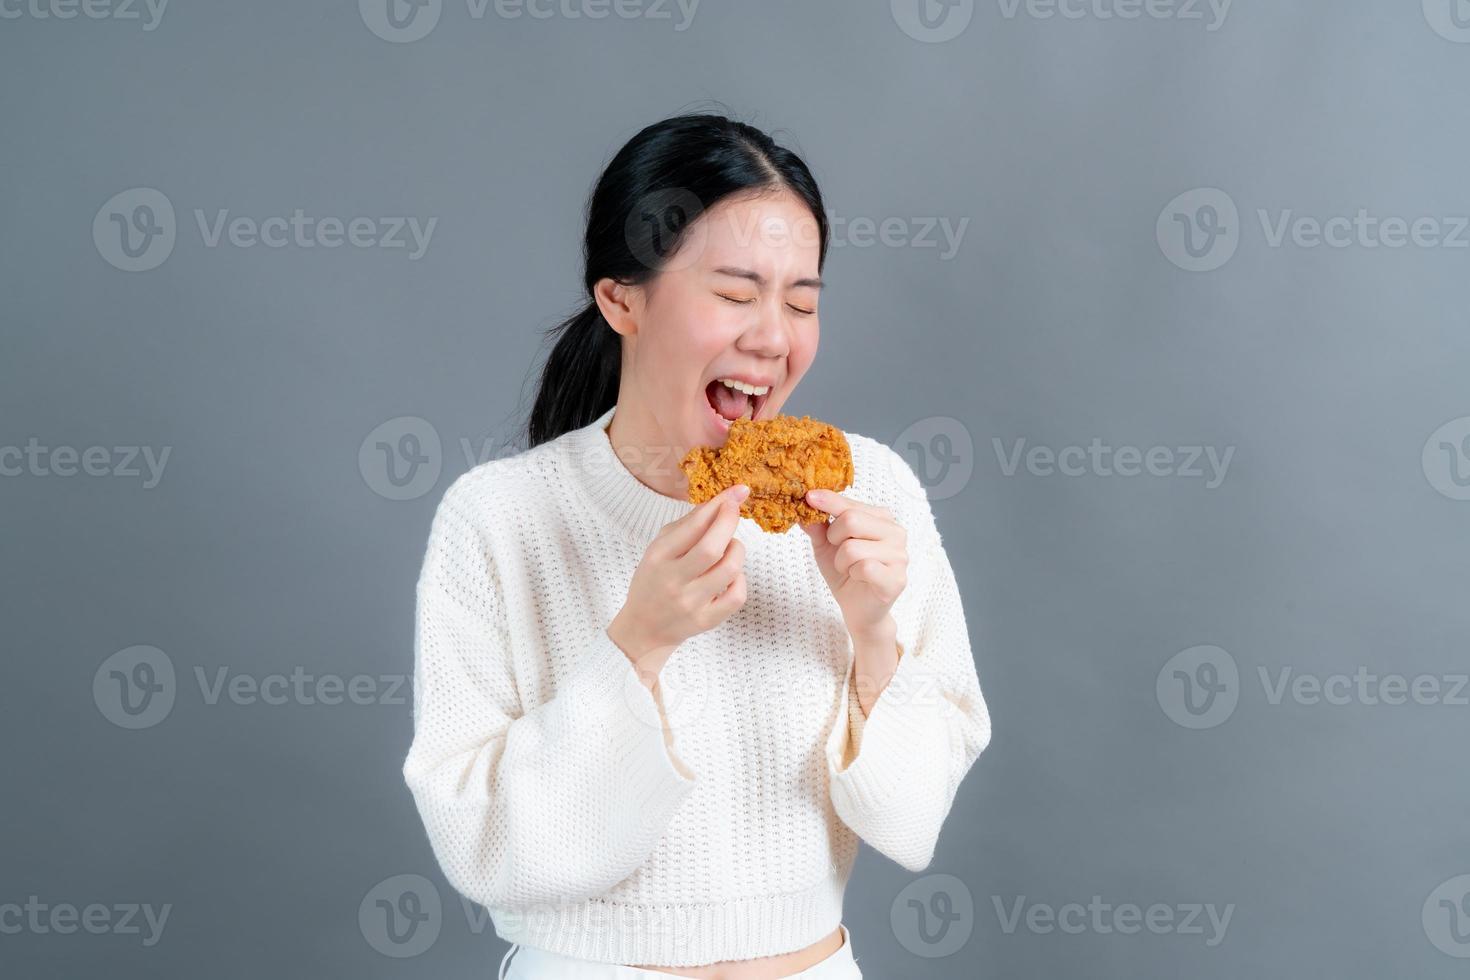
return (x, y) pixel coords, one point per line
(804, 340)
(693, 334)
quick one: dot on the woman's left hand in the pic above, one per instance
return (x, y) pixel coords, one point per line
(863, 555)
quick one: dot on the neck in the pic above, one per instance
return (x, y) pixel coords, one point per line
(639, 441)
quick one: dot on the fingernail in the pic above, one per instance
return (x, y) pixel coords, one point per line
(741, 491)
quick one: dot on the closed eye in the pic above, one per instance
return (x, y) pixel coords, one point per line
(745, 302)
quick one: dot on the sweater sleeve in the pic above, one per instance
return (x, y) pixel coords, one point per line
(893, 775)
(554, 803)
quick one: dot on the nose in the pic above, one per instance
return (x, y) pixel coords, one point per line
(766, 334)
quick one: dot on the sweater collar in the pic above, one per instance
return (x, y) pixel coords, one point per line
(632, 505)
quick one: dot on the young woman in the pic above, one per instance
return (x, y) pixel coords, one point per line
(647, 734)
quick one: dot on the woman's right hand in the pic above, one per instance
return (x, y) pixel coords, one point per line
(690, 580)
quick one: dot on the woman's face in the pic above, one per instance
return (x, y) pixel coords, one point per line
(736, 301)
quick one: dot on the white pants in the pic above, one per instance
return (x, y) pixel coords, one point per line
(527, 963)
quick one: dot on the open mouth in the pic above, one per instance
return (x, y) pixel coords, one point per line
(729, 404)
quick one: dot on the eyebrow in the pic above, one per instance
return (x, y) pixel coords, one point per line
(760, 280)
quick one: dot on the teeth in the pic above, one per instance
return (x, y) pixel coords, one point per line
(742, 386)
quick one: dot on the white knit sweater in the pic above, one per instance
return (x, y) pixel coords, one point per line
(539, 762)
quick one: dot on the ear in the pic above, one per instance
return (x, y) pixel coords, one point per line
(621, 306)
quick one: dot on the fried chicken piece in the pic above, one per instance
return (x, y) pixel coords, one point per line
(780, 459)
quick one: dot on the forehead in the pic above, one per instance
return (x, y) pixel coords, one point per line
(778, 226)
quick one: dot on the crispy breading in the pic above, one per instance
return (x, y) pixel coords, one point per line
(780, 459)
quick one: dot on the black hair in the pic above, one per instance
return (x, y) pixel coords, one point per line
(648, 195)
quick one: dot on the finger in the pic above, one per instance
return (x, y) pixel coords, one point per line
(884, 580)
(832, 502)
(855, 550)
(679, 536)
(707, 550)
(872, 523)
(732, 598)
(722, 572)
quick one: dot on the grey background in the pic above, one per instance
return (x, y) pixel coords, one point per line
(266, 547)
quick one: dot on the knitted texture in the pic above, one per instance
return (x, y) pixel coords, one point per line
(720, 821)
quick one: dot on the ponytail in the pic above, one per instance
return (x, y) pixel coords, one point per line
(580, 378)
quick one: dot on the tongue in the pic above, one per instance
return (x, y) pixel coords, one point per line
(731, 404)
